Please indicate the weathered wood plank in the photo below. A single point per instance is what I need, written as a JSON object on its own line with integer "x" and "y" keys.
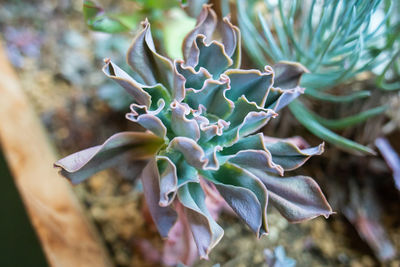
{"x": 66, "y": 235}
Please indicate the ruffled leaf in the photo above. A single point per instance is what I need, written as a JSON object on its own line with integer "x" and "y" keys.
{"x": 212, "y": 97}
{"x": 253, "y": 84}
{"x": 193, "y": 79}
{"x": 206, "y": 232}
{"x": 205, "y": 25}
{"x": 178, "y": 93}
{"x": 297, "y": 198}
{"x": 194, "y": 153}
{"x": 210, "y": 56}
{"x": 134, "y": 88}
{"x": 232, "y": 41}
{"x": 158, "y": 93}
{"x": 186, "y": 173}
{"x": 79, "y": 166}
{"x": 168, "y": 180}
{"x": 256, "y": 159}
{"x": 243, "y": 108}
{"x": 289, "y": 156}
{"x": 163, "y": 217}
{"x": 148, "y": 119}
{"x": 280, "y": 98}
{"x": 215, "y": 56}
{"x": 151, "y": 66}
{"x": 210, "y": 130}
{"x": 288, "y": 74}
{"x": 181, "y": 125}
{"x": 246, "y": 118}
{"x": 244, "y": 193}
{"x": 250, "y": 152}
{"x": 142, "y": 94}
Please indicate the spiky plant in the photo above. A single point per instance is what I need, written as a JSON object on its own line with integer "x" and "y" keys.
{"x": 389, "y": 78}
{"x": 333, "y": 39}
{"x": 200, "y": 117}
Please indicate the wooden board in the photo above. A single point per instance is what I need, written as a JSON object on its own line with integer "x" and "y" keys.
{"x": 67, "y": 237}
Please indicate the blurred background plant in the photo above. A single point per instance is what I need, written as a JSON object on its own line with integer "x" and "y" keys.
{"x": 389, "y": 77}
{"x": 337, "y": 41}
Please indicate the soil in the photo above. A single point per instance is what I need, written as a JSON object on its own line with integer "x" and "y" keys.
{"x": 63, "y": 81}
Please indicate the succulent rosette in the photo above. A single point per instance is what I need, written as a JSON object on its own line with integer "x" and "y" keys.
{"x": 200, "y": 119}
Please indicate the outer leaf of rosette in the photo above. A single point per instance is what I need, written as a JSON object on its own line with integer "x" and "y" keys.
{"x": 289, "y": 156}
{"x": 206, "y": 232}
{"x": 297, "y": 198}
{"x": 250, "y": 152}
{"x": 168, "y": 180}
{"x": 81, "y": 165}
{"x": 244, "y": 193}
{"x": 163, "y": 217}
{"x": 151, "y": 66}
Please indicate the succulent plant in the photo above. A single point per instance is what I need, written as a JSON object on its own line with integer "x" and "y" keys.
{"x": 333, "y": 39}
{"x": 332, "y": 49}
{"x": 200, "y": 118}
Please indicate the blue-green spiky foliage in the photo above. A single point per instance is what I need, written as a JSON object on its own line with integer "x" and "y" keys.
{"x": 332, "y": 38}
{"x": 389, "y": 79}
